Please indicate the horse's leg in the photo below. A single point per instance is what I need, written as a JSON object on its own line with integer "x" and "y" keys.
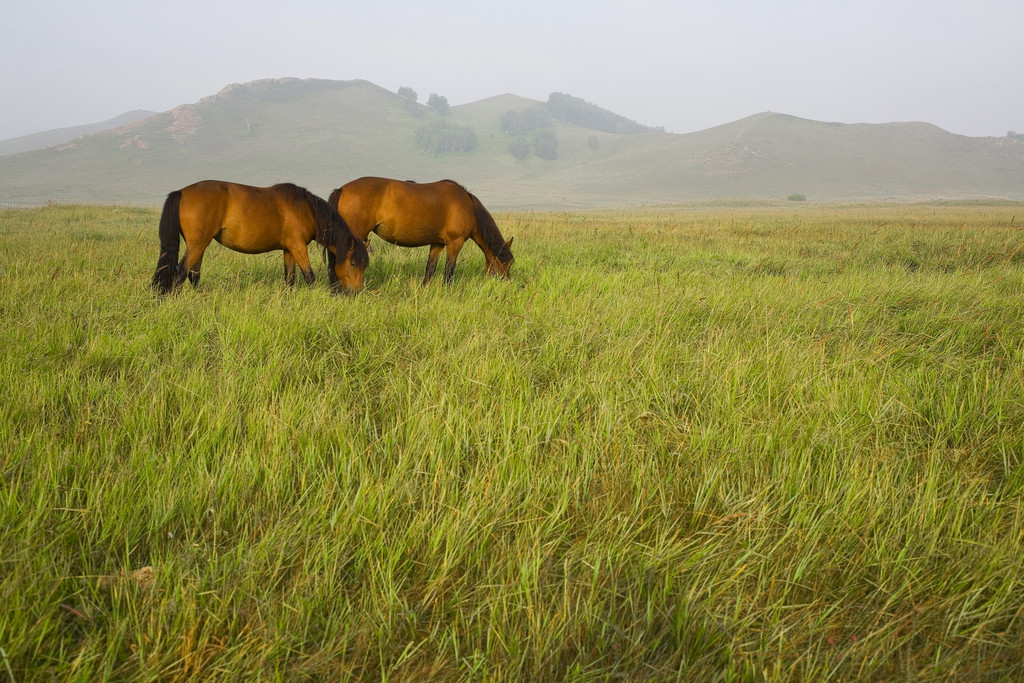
{"x": 180, "y": 273}
{"x": 194, "y": 270}
{"x": 192, "y": 263}
{"x": 301, "y": 257}
{"x": 289, "y": 268}
{"x": 188, "y": 268}
{"x": 435, "y": 253}
{"x": 454, "y": 247}
{"x": 332, "y": 277}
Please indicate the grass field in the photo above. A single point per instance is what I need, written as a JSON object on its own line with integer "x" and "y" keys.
{"x": 709, "y": 443}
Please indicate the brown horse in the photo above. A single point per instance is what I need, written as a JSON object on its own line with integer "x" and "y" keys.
{"x": 255, "y": 220}
{"x": 442, "y": 214}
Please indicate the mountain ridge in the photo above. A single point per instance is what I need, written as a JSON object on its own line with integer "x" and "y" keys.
{"x": 322, "y": 133}
{"x": 56, "y": 136}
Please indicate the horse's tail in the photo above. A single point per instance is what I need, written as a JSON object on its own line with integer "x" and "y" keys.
{"x": 488, "y": 229}
{"x": 170, "y": 239}
{"x": 335, "y": 198}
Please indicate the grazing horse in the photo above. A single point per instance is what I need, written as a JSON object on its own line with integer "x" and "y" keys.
{"x": 255, "y": 220}
{"x": 442, "y": 214}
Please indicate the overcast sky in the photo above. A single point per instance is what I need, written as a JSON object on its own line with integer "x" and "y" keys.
{"x": 682, "y": 65}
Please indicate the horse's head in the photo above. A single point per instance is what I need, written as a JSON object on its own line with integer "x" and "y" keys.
{"x": 348, "y": 260}
{"x": 500, "y": 264}
{"x": 347, "y": 256}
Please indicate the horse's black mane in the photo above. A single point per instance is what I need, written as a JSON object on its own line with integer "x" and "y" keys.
{"x": 330, "y": 226}
{"x": 325, "y": 222}
{"x": 455, "y": 183}
{"x": 486, "y": 225}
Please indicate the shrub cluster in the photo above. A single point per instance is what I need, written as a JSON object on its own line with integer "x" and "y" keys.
{"x": 545, "y": 145}
{"x": 579, "y": 112}
{"x": 439, "y": 103}
{"x": 520, "y": 123}
{"x": 520, "y": 147}
{"x": 442, "y": 136}
{"x": 410, "y": 96}
{"x": 408, "y": 93}
{"x": 531, "y": 129}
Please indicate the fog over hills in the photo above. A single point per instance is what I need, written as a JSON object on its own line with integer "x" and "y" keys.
{"x": 25, "y": 143}
{"x": 321, "y": 133}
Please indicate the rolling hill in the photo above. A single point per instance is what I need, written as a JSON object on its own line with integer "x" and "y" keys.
{"x": 58, "y": 136}
{"x": 321, "y": 133}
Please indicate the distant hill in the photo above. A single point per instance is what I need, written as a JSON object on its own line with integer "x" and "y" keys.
{"x": 58, "y": 136}
{"x": 577, "y": 111}
{"x": 321, "y": 134}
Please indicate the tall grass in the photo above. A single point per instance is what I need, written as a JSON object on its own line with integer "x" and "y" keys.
{"x": 736, "y": 444}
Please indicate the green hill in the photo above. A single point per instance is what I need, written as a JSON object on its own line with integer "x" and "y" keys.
{"x": 321, "y": 134}
{"x": 58, "y": 136}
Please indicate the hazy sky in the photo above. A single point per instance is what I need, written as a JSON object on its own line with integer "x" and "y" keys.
{"x": 682, "y": 65}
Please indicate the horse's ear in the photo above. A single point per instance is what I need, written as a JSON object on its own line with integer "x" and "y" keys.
{"x": 509, "y": 243}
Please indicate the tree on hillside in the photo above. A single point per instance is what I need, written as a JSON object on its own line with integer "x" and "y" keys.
{"x": 545, "y": 145}
{"x": 408, "y": 93}
{"x": 518, "y": 123}
{"x": 410, "y": 96}
{"x": 439, "y": 103}
{"x": 1014, "y": 136}
{"x": 519, "y": 147}
{"x": 510, "y": 123}
{"x": 582, "y": 113}
{"x": 442, "y": 136}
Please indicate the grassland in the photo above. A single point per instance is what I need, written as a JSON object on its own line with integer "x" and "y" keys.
{"x": 732, "y": 443}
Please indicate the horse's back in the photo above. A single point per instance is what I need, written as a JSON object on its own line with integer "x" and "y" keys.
{"x": 245, "y": 218}
{"x": 404, "y": 212}
{"x": 360, "y": 199}
{"x": 377, "y": 194}
{"x": 213, "y": 193}
{"x": 204, "y": 204}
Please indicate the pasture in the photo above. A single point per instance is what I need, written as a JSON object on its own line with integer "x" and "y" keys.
{"x": 701, "y": 443}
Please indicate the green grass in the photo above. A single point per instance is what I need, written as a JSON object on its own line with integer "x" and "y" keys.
{"x": 706, "y": 443}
